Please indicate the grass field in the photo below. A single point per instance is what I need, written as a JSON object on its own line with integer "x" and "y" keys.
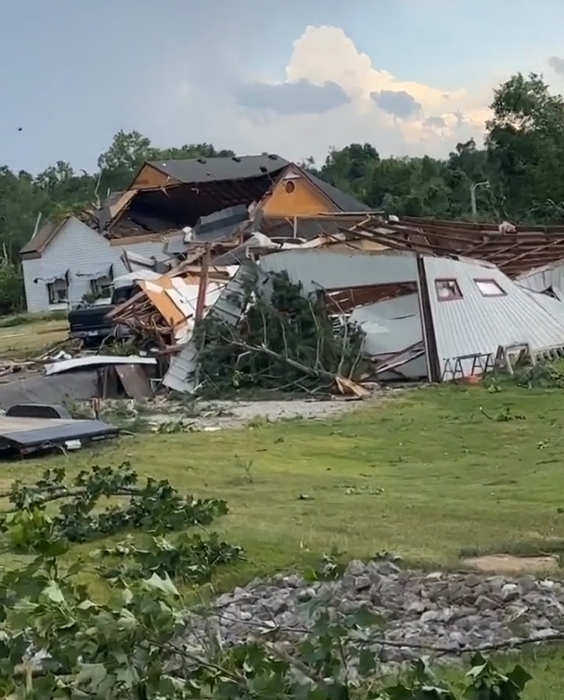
{"x": 27, "y": 340}
{"x": 428, "y": 476}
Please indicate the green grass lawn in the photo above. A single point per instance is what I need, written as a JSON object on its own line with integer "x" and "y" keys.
{"x": 24, "y": 341}
{"x": 426, "y": 476}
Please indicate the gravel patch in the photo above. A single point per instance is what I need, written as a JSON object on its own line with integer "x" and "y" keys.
{"x": 450, "y": 613}
{"x": 221, "y": 415}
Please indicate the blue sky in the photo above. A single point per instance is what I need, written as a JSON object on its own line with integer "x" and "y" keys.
{"x": 410, "y": 76}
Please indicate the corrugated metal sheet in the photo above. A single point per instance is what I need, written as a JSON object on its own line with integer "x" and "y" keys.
{"x": 321, "y": 268}
{"x": 554, "y": 306}
{"x": 477, "y": 324}
{"x": 544, "y": 277}
{"x": 229, "y": 306}
{"x": 181, "y": 374}
{"x": 390, "y": 327}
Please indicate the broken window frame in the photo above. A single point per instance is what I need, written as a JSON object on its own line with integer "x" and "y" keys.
{"x": 499, "y": 291}
{"x": 54, "y": 290}
{"x": 456, "y": 296}
{"x": 101, "y": 287}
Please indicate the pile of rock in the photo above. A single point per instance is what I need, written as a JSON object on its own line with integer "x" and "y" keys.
{"x": 442, "y": 611}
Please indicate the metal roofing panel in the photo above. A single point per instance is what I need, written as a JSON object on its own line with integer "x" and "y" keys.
{"x": 221, "y": 224}
{"x": 554, "y": 306}
{"x": 181, "y": 374}
{"x": 544, "y": 277}
{"x": 229, "y": 306}
{"x": 477, "y": 324}
{"x": 391, "y": 325}
{"x": 90, "y": 361}
{"x": 323, "y": 268}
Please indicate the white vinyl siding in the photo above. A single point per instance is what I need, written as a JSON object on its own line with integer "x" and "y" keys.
{"x": 80, "y": 255}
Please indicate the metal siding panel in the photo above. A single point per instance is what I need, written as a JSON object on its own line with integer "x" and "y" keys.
{"x": 540, "y": 279}
{"x": 79, "y": 249}
{"x": 182, "y": 370}
{"x": 477, "y": 324}
{"x": 333, "y": 270}
{"x": 229, "y": 305}
{"x": 391, "y": 325}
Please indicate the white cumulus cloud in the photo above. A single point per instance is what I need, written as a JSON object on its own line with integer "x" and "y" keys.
{"x": 331, "y": 95}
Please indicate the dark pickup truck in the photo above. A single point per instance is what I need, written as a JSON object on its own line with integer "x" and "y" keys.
{"x": 90, "y": 323}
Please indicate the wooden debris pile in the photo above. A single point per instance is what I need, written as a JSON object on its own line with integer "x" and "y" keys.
{"x": 164, "y": 310}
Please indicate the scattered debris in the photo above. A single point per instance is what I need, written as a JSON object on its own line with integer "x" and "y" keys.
{"x": 249, "y": 294}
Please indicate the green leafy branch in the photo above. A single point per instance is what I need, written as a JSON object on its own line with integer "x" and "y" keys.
{"x": 189, "y": 558}
{"x": 154, "y": 507}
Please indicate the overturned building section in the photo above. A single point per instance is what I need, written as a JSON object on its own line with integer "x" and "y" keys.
{"x": 407, "y": 317}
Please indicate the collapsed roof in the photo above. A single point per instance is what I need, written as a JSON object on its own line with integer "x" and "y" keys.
{"x": 515, "y": 252}
{"x": 183, "y": 191}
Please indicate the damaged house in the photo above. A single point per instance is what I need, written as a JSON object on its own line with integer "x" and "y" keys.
{"x": 387, "y": 300}
{"x": 64, "y": 263}
{"x": 213, "y": 198}
{"x": 67, "y": 261}
{"x": 173, "y": 195}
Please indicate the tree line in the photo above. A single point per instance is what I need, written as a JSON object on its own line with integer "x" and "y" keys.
{"x": 518, "y": 175}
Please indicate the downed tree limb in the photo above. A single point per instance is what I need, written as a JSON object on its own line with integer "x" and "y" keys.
{"x": 344, "y": 385}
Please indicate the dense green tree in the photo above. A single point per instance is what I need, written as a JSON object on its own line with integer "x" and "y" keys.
{"x": 525, "y": 145}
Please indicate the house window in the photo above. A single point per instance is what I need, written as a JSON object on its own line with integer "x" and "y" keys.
{"x": 290, "y": 187}
{"x": 58, "y": 292}
{"x": 489, "y": 288}
{"x": 447, "y": 290}
{"x": 101, "y": 288}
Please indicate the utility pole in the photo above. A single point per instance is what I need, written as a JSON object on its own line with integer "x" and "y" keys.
{"x": 473, "y": 188}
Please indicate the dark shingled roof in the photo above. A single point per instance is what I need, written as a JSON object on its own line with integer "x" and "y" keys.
{"x": 344, "y": 201}
{"x": 195, "y": 170}
{"x": 42, "y": 237}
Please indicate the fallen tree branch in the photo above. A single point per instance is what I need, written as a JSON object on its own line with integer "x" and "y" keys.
{"x": 70, "y": 493}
